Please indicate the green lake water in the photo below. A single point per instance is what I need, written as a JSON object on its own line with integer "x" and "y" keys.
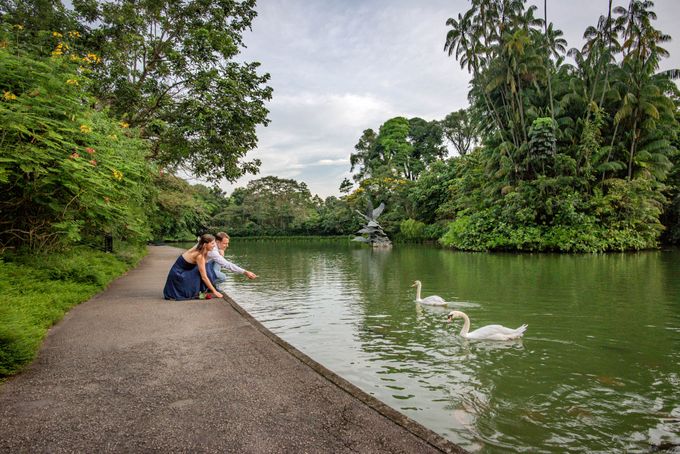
{"x": 598, "y": 369}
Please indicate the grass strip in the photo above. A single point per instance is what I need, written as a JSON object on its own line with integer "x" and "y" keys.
{"x": 37, "y": 290}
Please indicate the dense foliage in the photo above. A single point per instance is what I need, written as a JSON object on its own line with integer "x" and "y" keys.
{"x": 573, "y": 157}
{"x": 170, "y": 70}
{"x": 103, "y": 101}
{"x": 276, "y": 206}
{"x": 68, "y": 172}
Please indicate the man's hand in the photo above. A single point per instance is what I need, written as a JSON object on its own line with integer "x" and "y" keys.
{"x": 250, "y": 275}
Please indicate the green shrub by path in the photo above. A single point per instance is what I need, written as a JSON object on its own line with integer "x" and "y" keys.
{"x": 37, "y": 290}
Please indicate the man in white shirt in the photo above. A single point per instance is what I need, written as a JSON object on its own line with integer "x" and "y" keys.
{"x": 218, "y": 262}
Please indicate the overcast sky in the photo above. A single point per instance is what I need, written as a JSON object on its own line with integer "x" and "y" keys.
{"x": 339, "y": 67}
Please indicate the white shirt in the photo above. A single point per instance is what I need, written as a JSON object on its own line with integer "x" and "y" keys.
{"x": 215, "y": 256}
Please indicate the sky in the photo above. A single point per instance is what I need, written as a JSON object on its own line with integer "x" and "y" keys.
{"x": 339, "y": 67}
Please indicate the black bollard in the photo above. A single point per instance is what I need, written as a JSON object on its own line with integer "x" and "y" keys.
{"x": 108, "y": 242}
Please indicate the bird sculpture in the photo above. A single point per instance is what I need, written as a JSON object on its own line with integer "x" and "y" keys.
{"x": 489, "y": 332}
{"x": 376, "y": 237}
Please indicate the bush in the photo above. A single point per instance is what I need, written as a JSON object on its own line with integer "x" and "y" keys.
{"x": 479, "y": 232}
{"x": 412, "y": 229}
{"x": 78, "y": 172}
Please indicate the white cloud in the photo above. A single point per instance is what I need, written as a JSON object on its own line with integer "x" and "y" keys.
{"x": 332, "y": 162}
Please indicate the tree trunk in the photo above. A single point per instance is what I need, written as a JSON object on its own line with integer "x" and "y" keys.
{"x": 632, "y": 151}
{"x": 611, "y": 147}
{"x": 545, "y": 29}
{"x": 520, "y": 102}
{"x": 609, "y": 53}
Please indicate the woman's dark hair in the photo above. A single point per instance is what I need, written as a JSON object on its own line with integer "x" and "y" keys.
{"x": 203, "y": 240}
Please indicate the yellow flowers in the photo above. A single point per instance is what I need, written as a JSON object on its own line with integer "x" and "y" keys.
{"x": 117, "y": 175}
{"x": 72, "y": 82}
{"x": 60, "y": 49}
{"x": 19, "y": 27}
{"x": 85, "y": 129}
{"x": 74, "y": 34}
{"x": 9, "y": 96}
{"x": 388, "y": 180}
{"x": 92, "y": 58}
{"x": 57, "y": 34}
{"x": 124, "y": 125}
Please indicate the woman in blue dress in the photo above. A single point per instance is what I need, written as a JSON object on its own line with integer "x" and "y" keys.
{"x": 189, "y": 276}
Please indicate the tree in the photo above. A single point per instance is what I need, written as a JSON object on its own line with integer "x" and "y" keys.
{"x": 345, "y": 186}
{"x": 336, "y": 217}
{"x": 365, "y": 155}
{"x": 427, "y": 142}
{"x": 273, "y": 206}
{"x": 169, "y": 69}
{"x": 39, "y": 15}
{"x": 394, "y": 150}
{"x": 431, "y": 191}
{"x": 643, "y": 92}
{"x": 547, "y": 127}
{"x": 460, "y": 130}
{"x": 180, "y": 211}
{"x": 401, "y": 149}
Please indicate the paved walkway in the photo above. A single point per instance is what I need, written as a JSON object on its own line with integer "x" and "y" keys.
{"x": 130, "y": 372}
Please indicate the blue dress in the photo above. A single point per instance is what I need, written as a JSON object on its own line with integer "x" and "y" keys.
{"x": 184, "y": 281}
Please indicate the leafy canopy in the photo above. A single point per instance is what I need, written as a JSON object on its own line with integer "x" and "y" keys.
{"x": 170, "y": 69}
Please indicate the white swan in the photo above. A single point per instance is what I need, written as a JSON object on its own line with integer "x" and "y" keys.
{"x": 433, "y": 300}
{"x": 489, "y": 332}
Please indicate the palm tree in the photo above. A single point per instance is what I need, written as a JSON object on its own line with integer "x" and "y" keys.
{"x": 555, "y": 47}
{"x": 641, "y": 39}
{"x": 643, "y": 91}
{"x": 644, "y": 104}
{"x": 463, "y": 41}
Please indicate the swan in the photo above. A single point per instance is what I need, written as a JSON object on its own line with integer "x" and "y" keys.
{"x": 489, "y": 332}
{"x": 432, "y": 300}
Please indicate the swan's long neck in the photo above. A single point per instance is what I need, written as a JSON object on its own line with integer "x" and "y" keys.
{"x": 418, "y": 291}
{"x": 466, "y": 325}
